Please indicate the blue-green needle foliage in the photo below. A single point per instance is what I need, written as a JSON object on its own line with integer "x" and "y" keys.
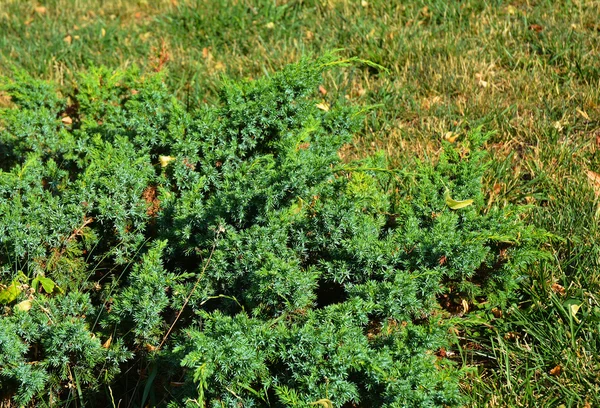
{"x": 230, "y": 249}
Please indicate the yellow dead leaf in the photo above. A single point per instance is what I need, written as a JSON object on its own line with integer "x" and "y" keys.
{"x": 450, "y": 137}
{"x": 103, "y": 32}
{"x": 23, "y": 306}
{"x": 270, "y": 25}
{"x": 465, "y": 306}
{"x": 106, "y": 344}
{"x": 324, "y": 106}
{"x": 309, "y": 35}
{"x": 165, "y": 160}
{"x": 41, "y": 10}
{"x": 67, "y": 120}
{"x": 68, "y": 39}
{"x": 573, "y": 309}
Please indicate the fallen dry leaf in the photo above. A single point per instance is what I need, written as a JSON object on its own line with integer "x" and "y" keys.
{"x": 556, "y": 371}
{"x": 67, "y": 120}
{"x": 41, "y": 10}
{"x": 559, "y": 289}
{"x": 165, "y": 160}
{"x": 68, "y": 39}
{"x": 24, "y": 306}
{"x": 574, "y": 309}
{"x": 497, "y": 313}
{"x": 536, "y": 27}
{"x": 322, "y": 90}
{"x": 323, "y": 106}
{"x": 443, "y": 353}
{"x": 480, "y": 81}
{"x": 450, "y": 137}
{"x": 106, "y": 344}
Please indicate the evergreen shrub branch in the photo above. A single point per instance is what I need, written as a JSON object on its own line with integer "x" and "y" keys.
{"x": 329, "y": 283}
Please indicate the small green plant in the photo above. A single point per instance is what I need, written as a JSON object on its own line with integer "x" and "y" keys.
{"x": 231, "y": 250}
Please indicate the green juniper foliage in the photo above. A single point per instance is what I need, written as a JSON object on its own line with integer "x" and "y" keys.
{"x": 231, "y": 250}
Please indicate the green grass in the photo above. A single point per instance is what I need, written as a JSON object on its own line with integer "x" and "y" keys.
{"x": 528, "y": 70}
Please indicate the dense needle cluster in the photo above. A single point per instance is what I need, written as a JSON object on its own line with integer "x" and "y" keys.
{"x": 226, "y": 256}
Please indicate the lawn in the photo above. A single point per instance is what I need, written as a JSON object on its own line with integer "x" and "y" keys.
{"x": 526, "y": 71}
